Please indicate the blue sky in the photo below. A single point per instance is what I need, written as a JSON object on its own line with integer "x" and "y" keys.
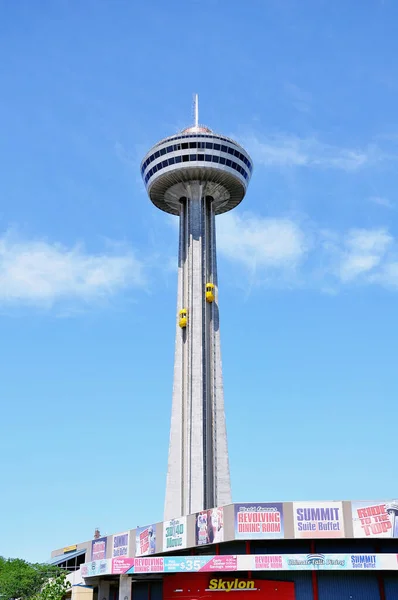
{"x": 308, "y": 264}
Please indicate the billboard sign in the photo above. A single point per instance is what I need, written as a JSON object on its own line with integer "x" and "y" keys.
{"x": 243, "y": 562}
{"x": 96, "y": 567}
{"x": 378, "y": 519}
{"x": 121, "y": 565}
{"x": 175, "y": 534}
{"x": 318, "y": 519}
{"x": 120, "y": 545}
{"x": 98, "y": 549}
{"x": 145, "y": 540}
{"x": 209, "y": 526}
{"x": 259, "y": 521}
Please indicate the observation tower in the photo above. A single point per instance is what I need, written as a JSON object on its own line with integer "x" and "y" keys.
{"x": 196, "y": 175}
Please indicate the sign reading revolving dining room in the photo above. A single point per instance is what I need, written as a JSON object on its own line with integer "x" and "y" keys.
{"x": 259, "y": 521}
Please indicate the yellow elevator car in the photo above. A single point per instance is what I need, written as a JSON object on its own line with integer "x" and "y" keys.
{"x": 183, "y": 318}
{"x": 210, "y": 292}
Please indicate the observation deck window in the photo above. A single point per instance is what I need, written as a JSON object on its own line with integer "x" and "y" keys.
{"x": 208, "y": 157}
{"x": 201, "y": 156}
{"x": 195, "y": 145}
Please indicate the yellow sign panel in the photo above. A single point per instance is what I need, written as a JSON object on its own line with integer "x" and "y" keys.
{"x": 231, "y": 586}
{"x": 70, "y": 548}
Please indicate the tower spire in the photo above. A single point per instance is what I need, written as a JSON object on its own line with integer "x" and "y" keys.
{"x": 196, "y": 109}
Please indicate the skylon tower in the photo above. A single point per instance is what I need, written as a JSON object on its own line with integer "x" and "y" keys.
{"x": 196, "y": 175}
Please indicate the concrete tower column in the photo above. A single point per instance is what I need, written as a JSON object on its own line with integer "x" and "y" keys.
{"x": 198, "y": 468}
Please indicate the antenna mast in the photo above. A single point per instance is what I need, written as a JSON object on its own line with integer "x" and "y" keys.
{"x": 196, "y": 109}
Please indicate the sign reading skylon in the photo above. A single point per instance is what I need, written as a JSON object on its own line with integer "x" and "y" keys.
{"x": 222, "y": 585}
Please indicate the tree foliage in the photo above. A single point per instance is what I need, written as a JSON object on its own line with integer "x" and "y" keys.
{"x": 22, "y": 580}
{"x": 54, "y": 589}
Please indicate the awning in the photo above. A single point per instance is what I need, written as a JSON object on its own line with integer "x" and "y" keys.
{"x": 57, "y": 560}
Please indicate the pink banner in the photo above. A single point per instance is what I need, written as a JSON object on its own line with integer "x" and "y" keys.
{"x": 221, "y": 563}
{"x": 121, "y": 565}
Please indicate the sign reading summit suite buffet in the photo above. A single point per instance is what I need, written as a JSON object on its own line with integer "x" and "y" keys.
{"x": 318, "y": 519}
{"x": 259, "y": 521}
{"x": 120, "y": 544}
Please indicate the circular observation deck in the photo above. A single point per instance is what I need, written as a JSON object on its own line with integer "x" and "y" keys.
{"x": 196, "y": 154}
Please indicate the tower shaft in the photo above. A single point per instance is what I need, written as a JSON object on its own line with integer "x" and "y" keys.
{"x": 198, "y": 469}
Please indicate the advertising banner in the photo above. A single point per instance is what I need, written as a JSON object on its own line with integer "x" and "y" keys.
{"x": 209, "y": 526}
{"x": 259, "y": 521}
{"x": 378, "y": 519}
{"x": 244, "y": 562}
{"x": 121, "y": 565}
{"x": 98, "y": 549}
{"x": 120, "y": 545}
{"x": 318, "y": 519}
{"x": 184, "y": 564}
{"x": 148, "y": 565}
{"x": 145, "y": 540}
{"x": 175, "y": 534}
{"x": 96, "y": 567}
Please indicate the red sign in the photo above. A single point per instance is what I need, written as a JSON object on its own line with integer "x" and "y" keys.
{"x": 189, "y": 586}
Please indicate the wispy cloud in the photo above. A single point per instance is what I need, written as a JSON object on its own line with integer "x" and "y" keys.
{"x": 306, "y": 255}
{"x": 41, "y": 273}
{"x": 362, "y": 251}
{"x": 287, "y": 150}
{"x": 265, "y": 242}
{"x": 300, "y": 98}
{"x": 380, "y": 201}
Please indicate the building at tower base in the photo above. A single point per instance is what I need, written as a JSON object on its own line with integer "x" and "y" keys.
{"x": 266, "y": 550}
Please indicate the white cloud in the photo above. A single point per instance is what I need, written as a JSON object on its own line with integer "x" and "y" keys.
{"x": 286, "y": 150}
{"x": 364, "y": 249}
{"x": 292, "y": 253}
{"x": 387, "y": 275}
{"x": 260, "y": 242}
{"x": 380, "y": 201}
{"x": 40, "y": 273}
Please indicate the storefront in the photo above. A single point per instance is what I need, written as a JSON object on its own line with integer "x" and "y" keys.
{"x": 205, "y": 586}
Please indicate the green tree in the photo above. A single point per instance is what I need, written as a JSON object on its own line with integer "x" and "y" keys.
{"x": 20, "y": 579}
{"x": 54, "y": 589}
